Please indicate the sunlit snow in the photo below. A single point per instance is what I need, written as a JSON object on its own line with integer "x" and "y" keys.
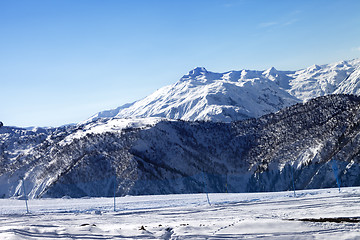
{"x": 312, "y": 214}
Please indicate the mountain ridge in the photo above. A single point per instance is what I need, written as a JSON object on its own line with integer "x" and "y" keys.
{"x": 237, "y": 95}
{"x": 162, "y": 156}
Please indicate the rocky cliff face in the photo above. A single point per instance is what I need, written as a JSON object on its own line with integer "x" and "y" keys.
{"x": 157, "y": 156}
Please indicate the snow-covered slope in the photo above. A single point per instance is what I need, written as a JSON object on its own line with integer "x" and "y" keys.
{"x": 238, "y": 95}
{"x": 204, "y": 95}
{"x": 322, "y": 80}
{"x": 157, "y": 156}
{"x": 351, "y": 85}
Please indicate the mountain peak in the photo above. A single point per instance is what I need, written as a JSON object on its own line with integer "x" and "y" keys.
{"x": 197, "y": 71}
{"x": 271, "y": 71}
{"x": 313, "y": 68}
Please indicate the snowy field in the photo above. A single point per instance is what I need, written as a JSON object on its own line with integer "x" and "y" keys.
{"x": 312, "y": 214}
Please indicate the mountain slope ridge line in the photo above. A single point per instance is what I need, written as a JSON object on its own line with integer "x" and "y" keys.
{"x": 161, "y": 156}
{"x": 238, "y": 95}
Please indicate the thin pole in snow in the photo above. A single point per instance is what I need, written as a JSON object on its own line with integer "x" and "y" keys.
{"x": 293, "y": 182}
{"x": 114, "y": 193}
{"x": 336, "y": 169}
{"x": 226, "y": 183}
{"x": 205, "y": 190}
{"x": 27, "y": 208}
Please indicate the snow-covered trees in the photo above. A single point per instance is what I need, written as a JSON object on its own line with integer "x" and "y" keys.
{"x": 173, "y": 156}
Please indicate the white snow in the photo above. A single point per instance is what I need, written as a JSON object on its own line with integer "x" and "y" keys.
{"x": 238, "y": 95}
{"x": 322, "y": 80}
{"x": 110, "y": 125}
{"x": 231, "y": 216}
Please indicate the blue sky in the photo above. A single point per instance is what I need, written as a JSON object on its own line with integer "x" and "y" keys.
{"x": 61, "y": 61}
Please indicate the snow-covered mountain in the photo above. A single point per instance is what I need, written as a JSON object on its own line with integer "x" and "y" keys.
{"x": 147, "y": 147}
{"x": 326, "y": 79}
{"x": 238, "y": 95}
{"x": 158, "y": 156}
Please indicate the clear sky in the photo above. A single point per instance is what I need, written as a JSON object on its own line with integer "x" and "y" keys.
{"x": 62, "y": 61}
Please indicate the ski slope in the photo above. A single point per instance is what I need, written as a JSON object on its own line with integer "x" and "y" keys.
{"x": 277, "y": 215}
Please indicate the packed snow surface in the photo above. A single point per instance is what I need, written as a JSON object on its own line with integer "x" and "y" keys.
{"x": 311, "y": 214}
